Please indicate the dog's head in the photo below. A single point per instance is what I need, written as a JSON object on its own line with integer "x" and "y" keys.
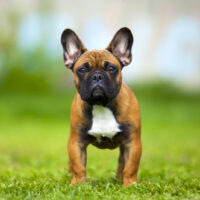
{"x": 97, "y": 73}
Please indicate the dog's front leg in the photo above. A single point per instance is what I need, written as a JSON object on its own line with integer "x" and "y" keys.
{"x": 132, "y": 151}
{"x": 77, "y": 159}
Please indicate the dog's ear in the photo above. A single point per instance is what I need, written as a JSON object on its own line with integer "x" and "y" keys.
{"x": 72, "y": 46}
{"x": 120, "y": 46}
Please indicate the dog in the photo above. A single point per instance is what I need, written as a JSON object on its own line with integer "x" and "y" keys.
{"x": 104, "y": 112}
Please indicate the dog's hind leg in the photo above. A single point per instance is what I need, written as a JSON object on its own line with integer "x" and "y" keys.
{"x": 70, "y": 169}
{"x": 121, "y": 163}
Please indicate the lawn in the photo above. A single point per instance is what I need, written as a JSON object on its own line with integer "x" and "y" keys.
{"x": 33, "y": 153}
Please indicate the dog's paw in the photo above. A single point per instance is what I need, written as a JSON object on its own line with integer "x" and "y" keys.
{"x": 76, "y": 180}
{"x": 129, "y": 181}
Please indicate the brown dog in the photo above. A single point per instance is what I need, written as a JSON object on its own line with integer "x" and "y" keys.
{"x": 104, "y": 111}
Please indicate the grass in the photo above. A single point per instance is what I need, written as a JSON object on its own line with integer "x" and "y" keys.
{"x": 33, "y": 153}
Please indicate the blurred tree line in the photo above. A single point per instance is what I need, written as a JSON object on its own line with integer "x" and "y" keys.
{"x": 28, "y": 70}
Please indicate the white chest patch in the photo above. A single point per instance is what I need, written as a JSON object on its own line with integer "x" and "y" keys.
{"x": 103, "y": 123}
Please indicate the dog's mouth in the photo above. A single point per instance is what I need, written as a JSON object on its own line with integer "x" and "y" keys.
{"x": 98, "y": 96}
{"x": 98, "y": 92}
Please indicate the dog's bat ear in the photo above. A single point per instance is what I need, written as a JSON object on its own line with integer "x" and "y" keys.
{"x": 120, "y": 46}
{"x": 72, "y": 46}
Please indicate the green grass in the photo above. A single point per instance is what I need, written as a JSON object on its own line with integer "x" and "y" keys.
{"x": 33, "y": 153}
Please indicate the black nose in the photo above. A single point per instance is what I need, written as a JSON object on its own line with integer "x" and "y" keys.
{"x": 97, "y": 76}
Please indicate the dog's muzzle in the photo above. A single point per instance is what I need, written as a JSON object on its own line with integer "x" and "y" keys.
{"x": 98, "y": 95}
{"x": 98, "y": 84}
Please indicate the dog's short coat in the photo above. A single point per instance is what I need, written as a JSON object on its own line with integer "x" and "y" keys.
{"x": 104, "y": 111}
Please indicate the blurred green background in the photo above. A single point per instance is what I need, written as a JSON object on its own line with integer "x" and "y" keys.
{"x": 36, "y": 92}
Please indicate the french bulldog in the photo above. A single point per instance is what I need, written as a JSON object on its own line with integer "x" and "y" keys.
{"x": 104, "y": 112}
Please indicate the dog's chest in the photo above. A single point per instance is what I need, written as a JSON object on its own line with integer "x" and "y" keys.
{"x": 104, "y": 123}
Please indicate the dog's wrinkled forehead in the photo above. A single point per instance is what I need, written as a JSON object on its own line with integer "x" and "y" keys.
{"x": 96, "y": 59}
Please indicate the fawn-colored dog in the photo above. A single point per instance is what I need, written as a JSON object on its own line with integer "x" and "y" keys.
{"x": 104, "y": 111}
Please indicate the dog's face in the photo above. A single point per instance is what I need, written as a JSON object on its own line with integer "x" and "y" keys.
{"x": 97, "y": 73}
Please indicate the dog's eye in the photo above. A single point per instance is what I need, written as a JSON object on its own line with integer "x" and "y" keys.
{"x": 82, "y": 70}
{"x": 111, "y": 68}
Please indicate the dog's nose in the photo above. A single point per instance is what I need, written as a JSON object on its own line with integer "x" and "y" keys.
{"x": 97, "y": 76}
